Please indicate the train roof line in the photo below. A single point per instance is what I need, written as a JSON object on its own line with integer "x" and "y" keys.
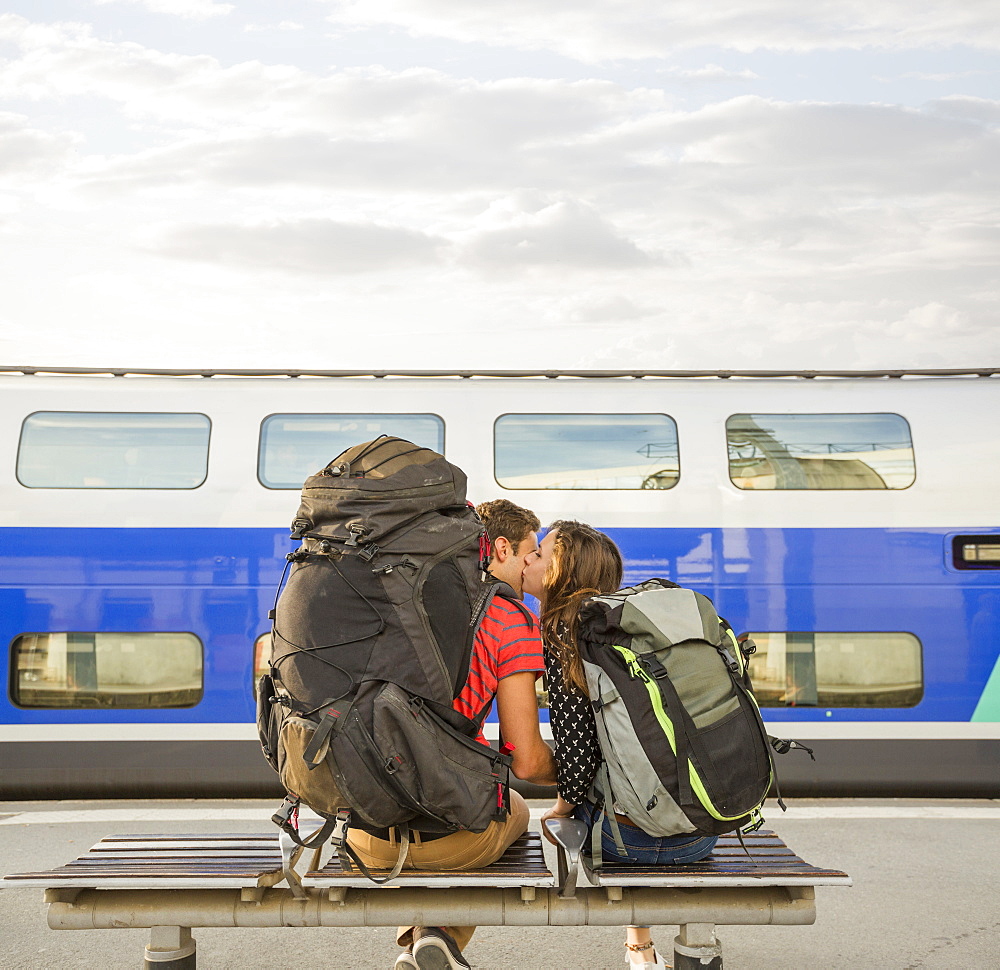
{"x": 591, "y": 374}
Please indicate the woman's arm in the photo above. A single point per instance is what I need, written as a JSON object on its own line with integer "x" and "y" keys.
{"x": 561, "y": 809}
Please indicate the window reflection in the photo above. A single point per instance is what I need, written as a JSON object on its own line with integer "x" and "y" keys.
{"x": 79, "y": 449}
{"x": 261, "y": 658}
{"x": 106, "y": 670}
{"x": 586, "y": 451}
{"x": 976, "y": 552}
{"x": 820, "y": 451}
{"x": 837, "y": 669}
{"x": 295, "y": 446}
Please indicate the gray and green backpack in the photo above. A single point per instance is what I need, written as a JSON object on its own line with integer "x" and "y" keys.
{"x": 684, "y": 746}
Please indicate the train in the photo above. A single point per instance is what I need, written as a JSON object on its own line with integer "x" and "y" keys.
{"x": 848, "y": 522}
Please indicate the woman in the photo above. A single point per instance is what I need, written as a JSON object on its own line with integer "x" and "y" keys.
{"x": 573, "y": 562}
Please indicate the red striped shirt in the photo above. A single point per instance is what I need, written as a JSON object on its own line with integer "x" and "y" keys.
{"x": 505, "y": 644}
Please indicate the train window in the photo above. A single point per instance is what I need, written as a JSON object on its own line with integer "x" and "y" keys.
{"x": 261, "y": 655}
{"x": 586, "y": 451}
{"x": 106, "y": 670}
{"x": 104, "y": 449}
{"x": 837, "y": 669}
{"x": 820, "y": 451}
{"x": 295, "y": 446}
{"x": 976, "y": 552}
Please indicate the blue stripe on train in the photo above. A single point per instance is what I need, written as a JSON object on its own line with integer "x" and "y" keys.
{"x": 219, "y": 584}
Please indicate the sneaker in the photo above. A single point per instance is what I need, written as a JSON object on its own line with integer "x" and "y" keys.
{"x": 405, "y": 960}
{"x": 433, "y": 949}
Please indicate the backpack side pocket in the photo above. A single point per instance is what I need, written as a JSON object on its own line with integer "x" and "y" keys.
{"x": 453, "y": 778}
{"x": 267, "y": 717}
{"x": 317, "y": 787}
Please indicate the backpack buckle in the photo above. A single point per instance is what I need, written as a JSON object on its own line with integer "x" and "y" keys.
{"x": 355, "y": 533}
{"x": 288, "y": 811}
{"x": 651, "y": 665}
{"x": 341, "y": 824}
{"x": 368, "y": 553}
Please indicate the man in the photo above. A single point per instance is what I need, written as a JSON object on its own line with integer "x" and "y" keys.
{"x": 506, "y": 660}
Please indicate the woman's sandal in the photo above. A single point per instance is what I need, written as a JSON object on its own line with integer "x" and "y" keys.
{"x": 657, "y": 961}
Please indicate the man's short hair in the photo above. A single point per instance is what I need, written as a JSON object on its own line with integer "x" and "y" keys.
{"x": 503, "y": 518}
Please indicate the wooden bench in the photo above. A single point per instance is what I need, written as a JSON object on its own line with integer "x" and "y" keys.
{"x": 173, "y": 883}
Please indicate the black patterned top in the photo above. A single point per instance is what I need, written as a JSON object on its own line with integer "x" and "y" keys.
{"x": 574, "y": 731}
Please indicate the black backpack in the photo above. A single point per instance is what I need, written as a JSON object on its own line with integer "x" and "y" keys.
{"x": 371, "y": 642}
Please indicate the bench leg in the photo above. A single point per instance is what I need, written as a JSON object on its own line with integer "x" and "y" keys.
{"x": 171, "y": 948}
{"x": 697, "y": 948}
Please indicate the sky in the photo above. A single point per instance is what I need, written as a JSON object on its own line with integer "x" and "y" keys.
{"x": 570, "y": 184}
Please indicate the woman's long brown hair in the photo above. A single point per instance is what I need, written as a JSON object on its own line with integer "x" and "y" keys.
{"x": 584, "y": 563}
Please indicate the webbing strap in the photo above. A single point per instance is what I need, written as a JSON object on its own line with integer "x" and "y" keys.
{"x": 597, "y": 827}
{"x": 676, "y": 711}
{"x": 290, "y": 810}
{"x": 347, "y": 855}
{"x": 739, "y": 835}
{"x": 319, "y": 744}
{"x": 596, "y": 844}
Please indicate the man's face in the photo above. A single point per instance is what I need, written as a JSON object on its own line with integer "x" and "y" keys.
{"x": 525, "y": 548}
{"x": 536, "y": 563}
{"x": 508, "y": 562}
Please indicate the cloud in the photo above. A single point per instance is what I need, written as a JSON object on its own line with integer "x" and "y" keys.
{"x": 595, "y": 30}
{"x": 710, "y": 73}
{"x": 196, "y": 91}
{"x": 188, "y": 9}
{"x": 270, "y": 28}
{"x": 28, "y": 152}
{"x": 315, "y": 246}
{"x": 609, "y": 309}
{"x": 66, "y": 60}
{"x": 565, "y": 234}
{"x": 939, "y": 77}
{"x": 745, "y": 231}
{"x": 966, "y": 108}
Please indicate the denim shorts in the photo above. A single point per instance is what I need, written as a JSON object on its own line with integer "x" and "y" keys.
{"x": 643, "y": 849}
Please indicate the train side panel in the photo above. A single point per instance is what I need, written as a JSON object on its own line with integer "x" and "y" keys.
{"x": 796, "y": 565}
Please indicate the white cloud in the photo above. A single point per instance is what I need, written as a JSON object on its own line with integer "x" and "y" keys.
{"x": 316, "y": 246}
{"x": 270, "y": 28}
{"x": 192, "y": 91}
{"x": 597, "y": 30}
{"x": 30, "y": 153}
{"x": 188, "y": 9}
{"x": 413, "y": 204}
{"x": 565, "y": 234}
{"x": 709, "y": 73}
{"x": 607, "y": 309}
{"x": 972, "y": 109}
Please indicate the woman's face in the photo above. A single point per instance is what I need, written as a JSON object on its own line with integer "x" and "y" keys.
{"x": 535, "y": 566}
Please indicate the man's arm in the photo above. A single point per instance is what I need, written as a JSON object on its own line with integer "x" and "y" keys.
{"x": 517, "y": 709}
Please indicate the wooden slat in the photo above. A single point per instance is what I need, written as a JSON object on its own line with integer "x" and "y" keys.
{"x": 523, "y": 864}
{"x": 769, "y": 862}
{"x": 268, "y": 837}
{"x": 161, "y": 861}
{"x": 248, "y": 860}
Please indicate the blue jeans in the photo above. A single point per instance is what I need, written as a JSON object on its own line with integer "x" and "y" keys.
{"x": 643, "y": 849}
